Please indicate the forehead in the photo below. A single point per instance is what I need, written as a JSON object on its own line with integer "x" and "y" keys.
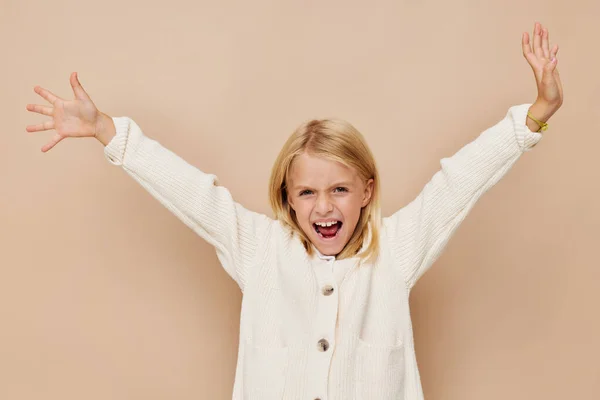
{"x": 312, "y": 170}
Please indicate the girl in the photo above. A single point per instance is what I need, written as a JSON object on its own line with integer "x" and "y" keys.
{"x": 325, "y": 311}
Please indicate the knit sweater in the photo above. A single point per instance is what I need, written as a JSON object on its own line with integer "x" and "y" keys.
{"x": 313, "y": 327}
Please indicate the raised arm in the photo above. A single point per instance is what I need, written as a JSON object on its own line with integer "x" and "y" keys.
{"x": 192, "y": 195}
{"x": 420, "y": 231}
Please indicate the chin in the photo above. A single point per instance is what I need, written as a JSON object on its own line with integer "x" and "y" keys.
{"x": 329, "y": 252}
{"x": 326, "y": 249}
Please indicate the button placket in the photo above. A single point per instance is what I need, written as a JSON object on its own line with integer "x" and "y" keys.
{"x": 324, "y": 328}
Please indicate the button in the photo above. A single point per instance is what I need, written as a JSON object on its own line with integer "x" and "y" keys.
{"x": 327, "y": 290}
{"x": 323, "y": 345}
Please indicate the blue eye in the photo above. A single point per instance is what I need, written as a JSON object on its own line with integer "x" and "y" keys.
{"x": 342, "y": 189}
{"x": 305, "y": 192}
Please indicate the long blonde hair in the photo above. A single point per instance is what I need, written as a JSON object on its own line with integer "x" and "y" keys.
{"x": 336, "y": 140}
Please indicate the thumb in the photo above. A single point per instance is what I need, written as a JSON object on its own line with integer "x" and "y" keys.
{"x": 551, "y": 66}
{"x": 549, "y": 70}
{"x": 77, "y": 88}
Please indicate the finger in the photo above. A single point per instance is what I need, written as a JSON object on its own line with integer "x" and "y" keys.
{"x": 537, "y": 39}
{"x": 55, "y": 139}
{"x": 553, "y": 52}
{"x": 46, "y": 94}
{"x": 40, "y": 127}
{"x": 40, "y": 109}
{"x": 77, "y": 88}
{"x": 545, "y": 41}
{"x": 527, "y": 53}
{"x": 525, "y": 44}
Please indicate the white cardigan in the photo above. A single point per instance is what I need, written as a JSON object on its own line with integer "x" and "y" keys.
{"x": 315, "y": 327}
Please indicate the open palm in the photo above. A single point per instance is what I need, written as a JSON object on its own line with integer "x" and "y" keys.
{"x": 70, "y": 118}
{"x": 542, "y": 60}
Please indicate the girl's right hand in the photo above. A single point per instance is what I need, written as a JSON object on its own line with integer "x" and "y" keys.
{"x": 70, "y": 118}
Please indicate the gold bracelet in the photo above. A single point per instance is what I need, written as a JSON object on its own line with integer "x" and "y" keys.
{"x": 542, "y": 125}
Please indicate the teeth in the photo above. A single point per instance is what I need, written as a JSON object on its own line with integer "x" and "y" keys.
{"x": 326, "y": 223}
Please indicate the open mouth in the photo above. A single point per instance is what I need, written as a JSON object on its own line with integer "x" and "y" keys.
{"x": 328, "y": 231}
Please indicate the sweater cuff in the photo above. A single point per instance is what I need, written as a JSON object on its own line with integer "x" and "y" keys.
{"x": 525, "y": 137}
{"x": 115, "y": 149}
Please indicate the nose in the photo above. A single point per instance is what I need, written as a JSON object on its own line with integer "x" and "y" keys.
{"x": 324, "y": 205}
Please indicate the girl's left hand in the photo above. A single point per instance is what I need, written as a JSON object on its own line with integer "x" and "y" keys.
{"x": 543, "y": 62}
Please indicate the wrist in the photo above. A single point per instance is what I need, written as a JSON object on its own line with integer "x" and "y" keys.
{"x": 542, "y": 110}
{"x": 105, "y": 129}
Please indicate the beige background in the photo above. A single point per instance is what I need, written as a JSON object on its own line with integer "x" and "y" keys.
{"x": 105, "y": 295}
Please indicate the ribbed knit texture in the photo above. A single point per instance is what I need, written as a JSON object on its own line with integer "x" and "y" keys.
{"x": 369, "y": 353}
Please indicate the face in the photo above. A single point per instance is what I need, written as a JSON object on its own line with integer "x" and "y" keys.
{"x": 327, "y": 197}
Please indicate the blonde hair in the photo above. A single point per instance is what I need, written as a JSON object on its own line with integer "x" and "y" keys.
{"x": 336, "y": 140}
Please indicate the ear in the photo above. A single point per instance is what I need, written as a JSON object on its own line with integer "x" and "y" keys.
{"x": 289, "y": 199}
{"x": 368, "y": 192}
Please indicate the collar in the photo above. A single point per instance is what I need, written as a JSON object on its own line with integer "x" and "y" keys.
{"x": 321, "y": 256}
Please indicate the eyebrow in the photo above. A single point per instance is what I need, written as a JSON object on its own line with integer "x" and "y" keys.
{"x": 337, "y": 184}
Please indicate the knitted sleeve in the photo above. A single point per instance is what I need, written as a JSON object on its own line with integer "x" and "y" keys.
{"x": 419, "y": 232}
{"x": 191, "y": 195}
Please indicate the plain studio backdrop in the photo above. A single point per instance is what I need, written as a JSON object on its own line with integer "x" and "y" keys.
{"x": 106, "y": 295}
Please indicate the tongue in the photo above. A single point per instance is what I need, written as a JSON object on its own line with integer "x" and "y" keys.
{"x": 328, "y": 231}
